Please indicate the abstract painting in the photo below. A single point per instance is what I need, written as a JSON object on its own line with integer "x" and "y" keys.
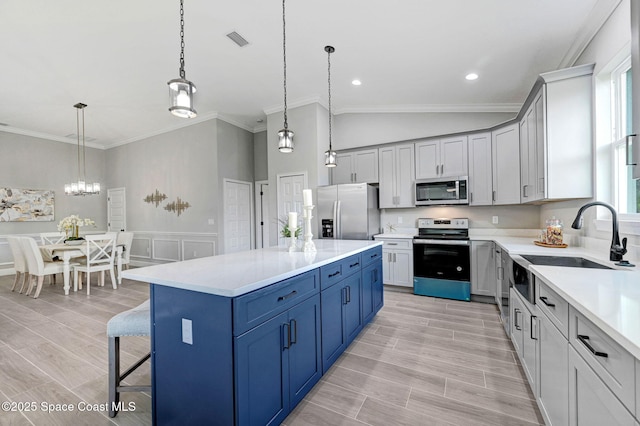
{"x": 26, "y": 205}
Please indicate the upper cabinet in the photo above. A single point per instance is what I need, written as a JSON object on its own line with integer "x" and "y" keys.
{"x": 556, "y": 137}
{"x": 397, "y": 176}
{"x": 635, "y": 87}
{"x": 438, "y": 158}
{"x": 356, "y": 167}
{"x": 505, "y": 151}
{"x": 480, "y": 173}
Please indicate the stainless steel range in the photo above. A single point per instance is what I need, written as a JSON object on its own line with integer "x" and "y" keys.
{"x": 442, "y": 259}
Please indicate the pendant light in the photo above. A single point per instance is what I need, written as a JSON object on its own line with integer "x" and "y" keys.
{"x": 181, "y": 90}
{"x": 81, "y": 187}
{"x": 330, "y": 155}
{"x": 285, "y": 136}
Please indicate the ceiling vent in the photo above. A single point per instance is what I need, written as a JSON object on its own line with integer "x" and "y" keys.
{"x": 237, "y": 39}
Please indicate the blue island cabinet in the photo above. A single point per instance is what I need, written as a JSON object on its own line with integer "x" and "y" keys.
{"x": 250, "y": 359}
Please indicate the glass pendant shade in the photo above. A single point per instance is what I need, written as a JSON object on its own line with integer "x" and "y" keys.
{"x": 285, "y": 141}
{"x": 330, "y": 159}
{"x": 81, "y": 187}
{"x": 181, "y": 93}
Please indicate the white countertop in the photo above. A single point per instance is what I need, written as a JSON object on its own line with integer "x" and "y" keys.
{"x": 608, "y": 298}
{"x": 235, "y": 274}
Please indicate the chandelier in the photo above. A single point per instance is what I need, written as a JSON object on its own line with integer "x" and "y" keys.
{"x": 181, "y": 90}
{"x": 81, "y": 187}
{"x": 285, "y": 136}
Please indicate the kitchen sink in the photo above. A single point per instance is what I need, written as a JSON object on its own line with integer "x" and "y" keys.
{"x": 574, "y": 262}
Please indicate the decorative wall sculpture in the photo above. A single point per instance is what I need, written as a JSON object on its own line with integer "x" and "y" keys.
{"x": 26, "y": 205}
{"x": 155, "y": 198}
{"x": 177, "y": 206}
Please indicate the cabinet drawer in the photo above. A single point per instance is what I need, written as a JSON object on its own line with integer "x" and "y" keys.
{"x": 398, "y": 244}
{"x": 371, "y": 255}
{"x": 335, "y": 272}
{"x": 610, "y": 361}
{"x": 254, "y": 308}
{"x": 554, "y": 306}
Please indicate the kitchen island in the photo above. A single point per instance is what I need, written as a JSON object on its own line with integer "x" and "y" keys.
{"x": 241, "y": 338}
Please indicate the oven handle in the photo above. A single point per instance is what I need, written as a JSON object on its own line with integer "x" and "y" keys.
{"x": 443, "y": 242}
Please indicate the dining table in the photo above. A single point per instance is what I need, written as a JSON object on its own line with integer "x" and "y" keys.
{"x": 66, "y": 252}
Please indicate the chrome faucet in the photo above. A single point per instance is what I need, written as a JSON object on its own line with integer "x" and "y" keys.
{"x": 617, "y": 251}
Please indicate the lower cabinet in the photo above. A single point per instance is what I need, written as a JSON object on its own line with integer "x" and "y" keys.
{"x": 590, "y": 400}
{"x": 397, "y": 258}
{"x": 524, "y": 335}
{"x": 483, "y": 271}
{"x": 372, "y": 291}
{"x": 341, "y": 317}
{"x": 277, "y": 363}
{"x": 553, "y": 387}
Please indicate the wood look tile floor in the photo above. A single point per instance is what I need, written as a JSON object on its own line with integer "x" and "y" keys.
{"x": 421, "y": 361}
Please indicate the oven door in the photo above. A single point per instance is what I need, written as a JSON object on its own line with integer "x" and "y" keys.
{"x": 441, "y": 268}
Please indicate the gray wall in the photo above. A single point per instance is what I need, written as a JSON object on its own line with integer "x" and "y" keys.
{"x": 260, "y": 156}
{"x": 32, "y": 163}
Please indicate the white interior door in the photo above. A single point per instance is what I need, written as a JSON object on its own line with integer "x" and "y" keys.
{"x": 290, "y": 188}
{"x": 262, "y": 214}
{"x": 238, "y": 215}
{"x": 116, "y": 210}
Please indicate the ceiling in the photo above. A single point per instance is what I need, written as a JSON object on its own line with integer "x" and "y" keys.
{"x": 116, "y": 56}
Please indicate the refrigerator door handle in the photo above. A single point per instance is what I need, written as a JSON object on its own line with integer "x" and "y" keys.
{"x": 339, "y": 220}
{"x": 335, "y": 220}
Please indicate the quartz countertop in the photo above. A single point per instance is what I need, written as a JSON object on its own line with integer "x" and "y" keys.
{"x": 390, "y": 235}
{"x": 234, "y": 274}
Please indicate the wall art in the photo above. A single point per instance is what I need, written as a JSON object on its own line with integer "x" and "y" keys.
{"x": 26, "y": 205}
{"x": 177, "y": 206}
{"x": 155, "y": 198}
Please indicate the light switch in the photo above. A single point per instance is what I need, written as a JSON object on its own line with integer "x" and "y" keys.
{"x": 399, "y": 219}
{"x": 494, "y": 220}
{"x": 187, "y": 331}
{"x": 211, "y": 222}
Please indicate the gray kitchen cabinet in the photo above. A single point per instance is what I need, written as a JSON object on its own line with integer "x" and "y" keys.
{"x": 397, "y": 261}
{"x": 635, "y": 87}
{"x": 480, "y": 173}
{"x": 439, "y": 158}
{"x": 556, "y": 136}
{"x": 524, "y": 335}
{"x": 505, "y": 152}
{"x": 397, "y": 176}
{"x": 499, "y": 276}
{"x": 483, "y": 271}
{"x": 553, "y": 373}
{"x": 356, "y": 167}
{"x": 590, "y": 400}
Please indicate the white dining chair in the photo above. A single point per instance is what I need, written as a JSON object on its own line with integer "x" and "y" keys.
{"x": 37, "y": 266}
{"x": 125, "y": 239}
{"x": 52, "y": 237}
{"x": 100, "y": 253}
{"x": 19, "y": 263}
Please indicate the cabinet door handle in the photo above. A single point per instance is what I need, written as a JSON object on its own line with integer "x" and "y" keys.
{"x": 286, "y": 336}
{"x": 293, "y": 293}
{"x": 471, "y": 197}
{"x": 355, "y": 177}
{"x": 515, "y": 318}
{"x": 534, "y": 323}
{"x": 437, "y": 169}
{"x": 524, "y": 191}
{"x": 441, "y": 169}
{"x": 344, "y": 295}
{"x": 500, "y": 273}
{"x": 493, "y": 196}
{"x": 293, "y": 326}
{"x": 584, "y": 339}
{"x": 348, "y": 288}
{"x": 389, "y": 257}
{"x": 549, "y": 304}
{"x": 334, "y": 274}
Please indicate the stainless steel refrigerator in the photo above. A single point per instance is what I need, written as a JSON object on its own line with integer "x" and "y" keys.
{"x": 348, "y": 211}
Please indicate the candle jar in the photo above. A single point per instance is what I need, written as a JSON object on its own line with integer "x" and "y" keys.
{"x": 554, "y": 231}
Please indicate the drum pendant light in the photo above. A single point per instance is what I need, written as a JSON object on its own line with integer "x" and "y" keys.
{"x": 181, "y": 90}
{"x": 285, "y": 136}
{"x": 330, "y": 155}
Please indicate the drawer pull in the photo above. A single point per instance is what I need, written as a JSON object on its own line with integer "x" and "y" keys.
{"x": 584, "y": 339}
{"x": 354, "y": 265}
{"x": 392, "y": 244}
{"x": 334, "y": 274}
{"x": 293, "y": 293}
{"x": 373, "y": 256}
{"x": 544, "y": 300}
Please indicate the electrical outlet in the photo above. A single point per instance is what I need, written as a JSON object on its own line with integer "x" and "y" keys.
{"x": 494, "y": 220}
{"x": 211, "y": 222}
{"x": 399, "y": 219}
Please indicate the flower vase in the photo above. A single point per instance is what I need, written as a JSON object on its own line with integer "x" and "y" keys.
{"x": 75, "y": 232}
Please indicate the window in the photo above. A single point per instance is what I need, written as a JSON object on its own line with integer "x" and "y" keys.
{"x": 626, "y": 191}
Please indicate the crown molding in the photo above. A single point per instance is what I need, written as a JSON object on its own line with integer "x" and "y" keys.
{"x": 39, "y": 135}
{"x": 392, "y": 109}
{"x": 295, "y": 104}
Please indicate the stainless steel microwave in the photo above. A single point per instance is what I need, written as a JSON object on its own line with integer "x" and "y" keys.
{"x": 442, "y": 191}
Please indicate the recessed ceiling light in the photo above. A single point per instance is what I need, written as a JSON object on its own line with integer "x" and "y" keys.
{"x": 472, "y": 76}
{"x": 356, "y": 82}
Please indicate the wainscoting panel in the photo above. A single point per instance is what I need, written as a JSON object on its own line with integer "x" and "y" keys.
{"x": 192, "y": 249}
{"x": 167, "y": 250}
{"x": 151, "y": 248}
{"x": 140, "y": 247}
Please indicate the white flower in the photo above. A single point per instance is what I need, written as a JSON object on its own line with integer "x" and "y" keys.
{"x": 69, "y": 222}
